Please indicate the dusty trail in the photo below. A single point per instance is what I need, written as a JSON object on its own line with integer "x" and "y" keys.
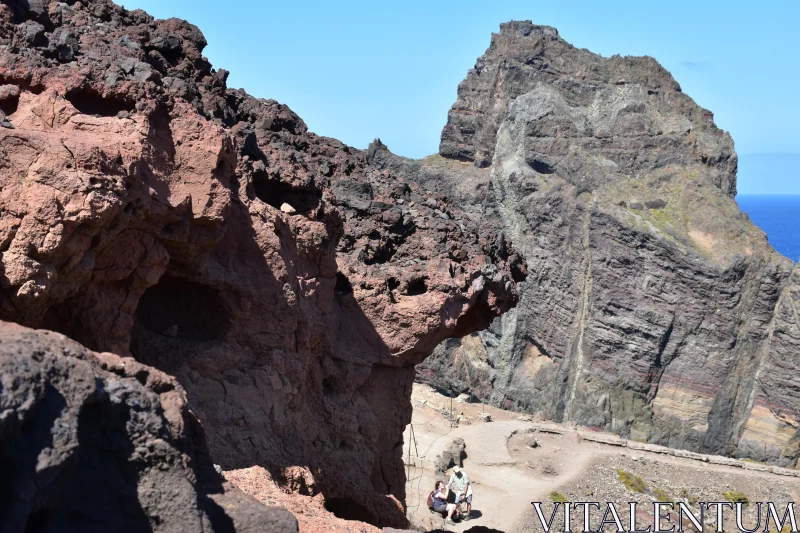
{"x": 508, "y": 474}
{"x": 504, "y": 484}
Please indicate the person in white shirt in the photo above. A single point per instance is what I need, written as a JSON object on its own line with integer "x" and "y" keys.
{"x": 460, "y": 483}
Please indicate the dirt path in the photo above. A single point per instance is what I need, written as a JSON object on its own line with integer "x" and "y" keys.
{"x": 507, "y": 473}
{"x": 503, "y": 485}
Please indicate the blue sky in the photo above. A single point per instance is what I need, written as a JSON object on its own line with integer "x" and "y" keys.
{"x": 359, "y": 70}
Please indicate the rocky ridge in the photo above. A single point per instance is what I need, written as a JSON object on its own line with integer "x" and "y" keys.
{"x": 289, "y": 285}
{"x": 653, "y": 306}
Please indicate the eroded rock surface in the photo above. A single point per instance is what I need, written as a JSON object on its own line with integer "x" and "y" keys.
{"x": 148, "y": 210}
{"x": 313, "y": 513}
{"x": 98, "y": 442}
{"x": 653, "y": 307}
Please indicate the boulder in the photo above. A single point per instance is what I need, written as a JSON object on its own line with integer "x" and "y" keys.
{"x": 98, "y": 442}
{"x": 451, "y": 456}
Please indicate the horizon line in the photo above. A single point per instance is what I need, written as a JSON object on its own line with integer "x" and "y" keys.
{"x": 766, "y": 194}
{"x": 769, "y": 153}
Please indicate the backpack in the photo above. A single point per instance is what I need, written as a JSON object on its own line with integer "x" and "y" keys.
{"x": 430, "y": 499}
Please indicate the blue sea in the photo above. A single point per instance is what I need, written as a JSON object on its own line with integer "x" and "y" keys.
{"x": 779, "y": 217}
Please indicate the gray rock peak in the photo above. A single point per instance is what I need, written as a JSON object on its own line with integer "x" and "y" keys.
{"x": 523, "y": 55}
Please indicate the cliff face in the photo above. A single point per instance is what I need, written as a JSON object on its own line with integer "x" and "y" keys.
{"x": 653, "y": 307}
{"x": 289, "y": 286}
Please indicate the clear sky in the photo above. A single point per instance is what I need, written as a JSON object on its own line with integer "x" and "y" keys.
{"x": 357, "y": 70}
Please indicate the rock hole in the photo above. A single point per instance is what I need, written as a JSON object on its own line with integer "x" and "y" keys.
{"x": 343, "y": 285}
{"x": 175, "y": 307}
{"x": 417, "y": 286}
{"x": 385, "y": 248}
{"x": 518, "y": 269}
{"x": 329, "y": 386}
{"x": 391, "y": 285}
{"x": 477, "y": 318}
{"x": 541, "y": 167}
{"x": 349, "y": 509}
{"x": 90, "y": 102}
{"x": 9, "y": 105}
{"x": 380, "y": 254}
{"x": 276, "y": 193}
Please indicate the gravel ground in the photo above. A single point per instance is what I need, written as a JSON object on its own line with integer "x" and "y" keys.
{"x": 665, "y": 480}
{"x": 582, "y": 471}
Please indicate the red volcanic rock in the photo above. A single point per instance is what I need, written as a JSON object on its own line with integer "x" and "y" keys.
{"x": 313, "y": 515}
{"x": 141, "y": 213}
{"x": 97, "y": 442}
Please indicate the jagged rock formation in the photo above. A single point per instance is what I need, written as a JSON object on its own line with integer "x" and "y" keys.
{"x": 96, "y": 442}
{"x": 148, "y": 210}
{"x": 653, "y": 307}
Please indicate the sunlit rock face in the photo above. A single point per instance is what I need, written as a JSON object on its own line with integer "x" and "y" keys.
{"x": 653, "y": 307}
{"x": 287, "y": 283}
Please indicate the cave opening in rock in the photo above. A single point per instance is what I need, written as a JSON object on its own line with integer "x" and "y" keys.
{"x": 349, "y": 509}
{"x": 541, "y": 167}
{"x": 417, "y": 286}
{"x": 477, "y": 318}
{"x": 90, "y": 102}
{"x": 343, "y": 285}
{"x": 276, "y": 193}
{"x": 179, "y": 308}
{"x": 9, "y": 105}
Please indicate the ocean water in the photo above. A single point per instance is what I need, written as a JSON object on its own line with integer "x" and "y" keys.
{"x": 779, "y": 217}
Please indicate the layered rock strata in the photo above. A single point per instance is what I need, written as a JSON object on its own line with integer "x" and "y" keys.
{"x": 653, "y": 306}
{"x": 97, "y": 442}
{"x": 148, "y": 210}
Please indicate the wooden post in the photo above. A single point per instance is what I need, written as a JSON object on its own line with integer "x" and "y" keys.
{"x": 408, "y": 462}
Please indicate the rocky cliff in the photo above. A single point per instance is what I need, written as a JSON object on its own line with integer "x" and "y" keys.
{"x": 653, "y": 306}
{"x": 288, "y": 284}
